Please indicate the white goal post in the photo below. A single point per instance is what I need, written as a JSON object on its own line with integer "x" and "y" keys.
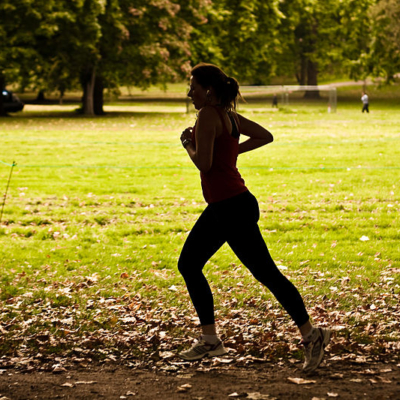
{"x": 284, "y": 92}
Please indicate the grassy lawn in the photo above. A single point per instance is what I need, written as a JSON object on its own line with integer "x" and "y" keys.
{"x": 98, "y": 210}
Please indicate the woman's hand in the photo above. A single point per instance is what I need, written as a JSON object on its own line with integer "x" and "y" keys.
{"x": 186, "y": 137}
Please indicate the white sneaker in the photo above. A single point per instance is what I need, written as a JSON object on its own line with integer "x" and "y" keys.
{"x": 202, "y": 349}
{"x": 314, "y": 350}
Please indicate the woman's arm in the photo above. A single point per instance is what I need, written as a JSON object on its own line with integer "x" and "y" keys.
{"x": 258, "y": 136}
{"x": 201, "y": 153}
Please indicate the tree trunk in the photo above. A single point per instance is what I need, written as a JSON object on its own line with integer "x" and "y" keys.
{"x": 3, "y": 112}
{"x": 40, "y": 97}
{"x": 61, "y": 98}
{"x": 88, "y": 89}
{"x": 301, "y": 79}
{"x": 312, "y": 80}
{"x": 98, "y": 99}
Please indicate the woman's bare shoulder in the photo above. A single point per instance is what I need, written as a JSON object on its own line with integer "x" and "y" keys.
{"x": 208, "y": 116}
{"x": 208, "y": 111}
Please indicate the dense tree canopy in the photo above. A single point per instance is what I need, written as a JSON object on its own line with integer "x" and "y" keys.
{"x": 242, "y": 36}
{"x": 96, "y": 44}
{"x": 22, "y": 23}
{"x": 384, "y": 57}
{"x": 323, "y": 37}
{"x": 118, "y": 42}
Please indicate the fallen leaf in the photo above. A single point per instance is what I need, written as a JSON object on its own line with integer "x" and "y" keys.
{"x": 58, "y": 369}
{"x": 166, "y": 355}
{"x": 337, "y": 328}
{"x": 259, "y": 396}
{"x": 332, "y": 394}
{"x": 184, "y": 388}
{"x": 185, "y": 376}
{"x": 128, "y": 320}
{"x": 383, "y": 380}
{"x": 301, "y": 381}
{"x": 218, "y": 360}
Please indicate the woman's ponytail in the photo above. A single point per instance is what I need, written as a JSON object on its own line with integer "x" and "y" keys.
{"x": 231, "y": 92}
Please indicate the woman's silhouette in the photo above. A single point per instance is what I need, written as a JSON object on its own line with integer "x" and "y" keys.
{"x": 232, "y": 212}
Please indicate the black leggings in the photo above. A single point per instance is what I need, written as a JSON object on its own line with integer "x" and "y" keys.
{"x": 234, "y": 221}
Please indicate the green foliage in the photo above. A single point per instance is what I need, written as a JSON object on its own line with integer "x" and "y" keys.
{"x": 323, "y": 36}
{"x": 242, "y": 37}
{"x": 96, "y": 44}
{"x": 22, "y": 25}
{"x": 384, "y": 57}
{"x": 155, "y": 48}
{"x": 59, "y": 45}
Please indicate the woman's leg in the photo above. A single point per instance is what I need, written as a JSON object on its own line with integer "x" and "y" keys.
{"x": 253, "y": 252}
{"x": 203, "y": 241}
{"x": 245, "y": 239}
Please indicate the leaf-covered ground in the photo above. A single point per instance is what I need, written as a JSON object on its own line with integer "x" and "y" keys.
{"x": 131, "y": 330}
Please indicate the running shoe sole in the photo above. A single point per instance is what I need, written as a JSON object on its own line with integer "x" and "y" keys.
{"x": 219, "y": 351}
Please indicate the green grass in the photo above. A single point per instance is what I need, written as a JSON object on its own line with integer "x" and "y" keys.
{"x": 94, "y": 198}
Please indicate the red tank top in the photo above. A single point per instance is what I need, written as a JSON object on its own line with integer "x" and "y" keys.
{"x": 223, "y": 180}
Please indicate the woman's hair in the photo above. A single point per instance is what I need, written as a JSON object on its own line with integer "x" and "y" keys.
{"x": 226, "y": 88}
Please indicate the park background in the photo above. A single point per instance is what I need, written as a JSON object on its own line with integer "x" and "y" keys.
{"x": 102, "y": 195}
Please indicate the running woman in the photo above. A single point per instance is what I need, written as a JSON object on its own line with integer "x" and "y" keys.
{"x": 232, "y": 213}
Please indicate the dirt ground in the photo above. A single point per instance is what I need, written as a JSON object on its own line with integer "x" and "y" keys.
{"x": 342, "y": 380}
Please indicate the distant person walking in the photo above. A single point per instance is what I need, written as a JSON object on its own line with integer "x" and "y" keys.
{"x": 232, "y": 213}
{"x": 365, "y": 101}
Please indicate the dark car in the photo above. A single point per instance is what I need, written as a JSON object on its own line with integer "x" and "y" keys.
{"x": 11, "y": 102}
